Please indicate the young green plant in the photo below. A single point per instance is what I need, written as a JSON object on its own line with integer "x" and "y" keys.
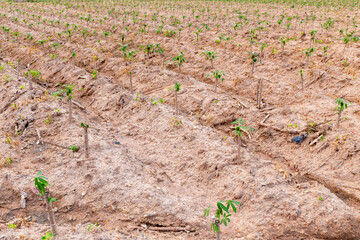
{"x": 69, "y": 93}
{"x": 341, "y": 104}
{"x": 308, "y": 53}
{"x": 149, "y": 49}
{"x": 210, "y": 56}
{"x": 254, "y": 58}
{"x": 239, "y": 128}
{"x": 129, "y": 57}
{"x": 176, "y": 88}
{"x": 179, "y": 60}
{"x": 41, "y": 185}
{"x": 222, "y": 215}
{"x": 218, "y": 75}
{"x": 262, "y": 54}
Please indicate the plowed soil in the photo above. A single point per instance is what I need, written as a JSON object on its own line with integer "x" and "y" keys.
{"x": 151, "y": 174}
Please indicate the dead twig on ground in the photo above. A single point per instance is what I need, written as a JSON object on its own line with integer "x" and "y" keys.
{"x": 267, "y": 116}
{"x": 78, "y": 105}
{"x": 171, "y": 229}
{"x": 321, "y": 134}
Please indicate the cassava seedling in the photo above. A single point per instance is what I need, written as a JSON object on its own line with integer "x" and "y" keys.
{"x": 262, "y": 54}
{"x": 283, "y": 43}
{"x": 347, "y": 38}
{"x": 312, "y": 37}
{"x": 96, "y": 58}
{"x": 41, "y": 185}
{"x": 55, "y": 45}
{"x": 69, "y": 93}
{"x": 236, "y": 26}
{"x": 13, "y": 226}
{"x": 179, "y": 60}
{"x": 254, "y": 59}
{"x": 35, "y": 74}
{"x": 74, "y": 148}
{"x": 69, "y": 32}
{"x": 176, "y": 88}
{"x": 86, "y": 139}
{"x": 129, "y": 56}
{"x": 228, "y": 38}
{"x": 302, "y": 79}
{"x": 325, "y": 50}
{"x": 85, "y": 34}
{"x": 94, "y": 74}
{"x": 197, "y": 33}
{"x": 341, "y": 104}
{"x": 308, "y": 53}
{"x": 210, "y": 56}
{"x": 149, "y": 49}
{"x": 73, "y": 55}
{"x": 218, "y": 75}
{"x": 222, "y": 215}
{"x": 48, "y": 236}
{"x": 93, "y": 227}
{"x": 239, "y": 127}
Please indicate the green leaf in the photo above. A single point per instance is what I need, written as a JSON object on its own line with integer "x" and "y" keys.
{"x": 207, "y": 211}
{"x": 214, "y": 227}
{"x": 235, "y": 202}
{"x": 233, "y": 207}
{"x": 220, "y": 205}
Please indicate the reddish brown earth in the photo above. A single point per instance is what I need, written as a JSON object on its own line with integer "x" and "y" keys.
{"x": 171, "y": 172}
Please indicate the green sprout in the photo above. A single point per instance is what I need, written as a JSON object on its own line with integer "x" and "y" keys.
{"x": 239, "y": 128}
{"x": 179, "y": 60}
{"x": 302, "y": 79}
{"x": 41, "y": 184}
{"x": 254, "y": 58}
{"x": 308, "y": 53}
{"x": 222, "y": 214}
{"x": 35, "y": 74}
{"x": 93, "y": 227}
{"x": 210, "y": 56}
{"x": 218, "y": 75}
{"x": 177, "y": 89}
{"x": 149, "y": 49}
{"x": 94, "y": 74}
{"x": 74, "y": 148}
{"x": 341, "y": 105}
{"x": 48, "y": 236}
{"x": 13, "y": 226}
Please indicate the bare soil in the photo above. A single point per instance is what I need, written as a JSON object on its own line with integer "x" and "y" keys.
{"x": 150, "y": 174}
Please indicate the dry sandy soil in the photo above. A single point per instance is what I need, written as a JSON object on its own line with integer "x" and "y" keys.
{"x": 150, "y": 174}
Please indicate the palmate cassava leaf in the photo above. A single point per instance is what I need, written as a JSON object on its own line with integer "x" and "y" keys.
{"x": 41, "y": 183}
{"x": 222, "y": 213}
{"x": 222, "y": 206}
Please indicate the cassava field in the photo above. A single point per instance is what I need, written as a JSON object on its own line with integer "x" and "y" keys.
{"x": 167, "y": 119}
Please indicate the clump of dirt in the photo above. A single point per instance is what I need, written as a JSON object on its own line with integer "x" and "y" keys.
{"x": 151, "y": 174}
